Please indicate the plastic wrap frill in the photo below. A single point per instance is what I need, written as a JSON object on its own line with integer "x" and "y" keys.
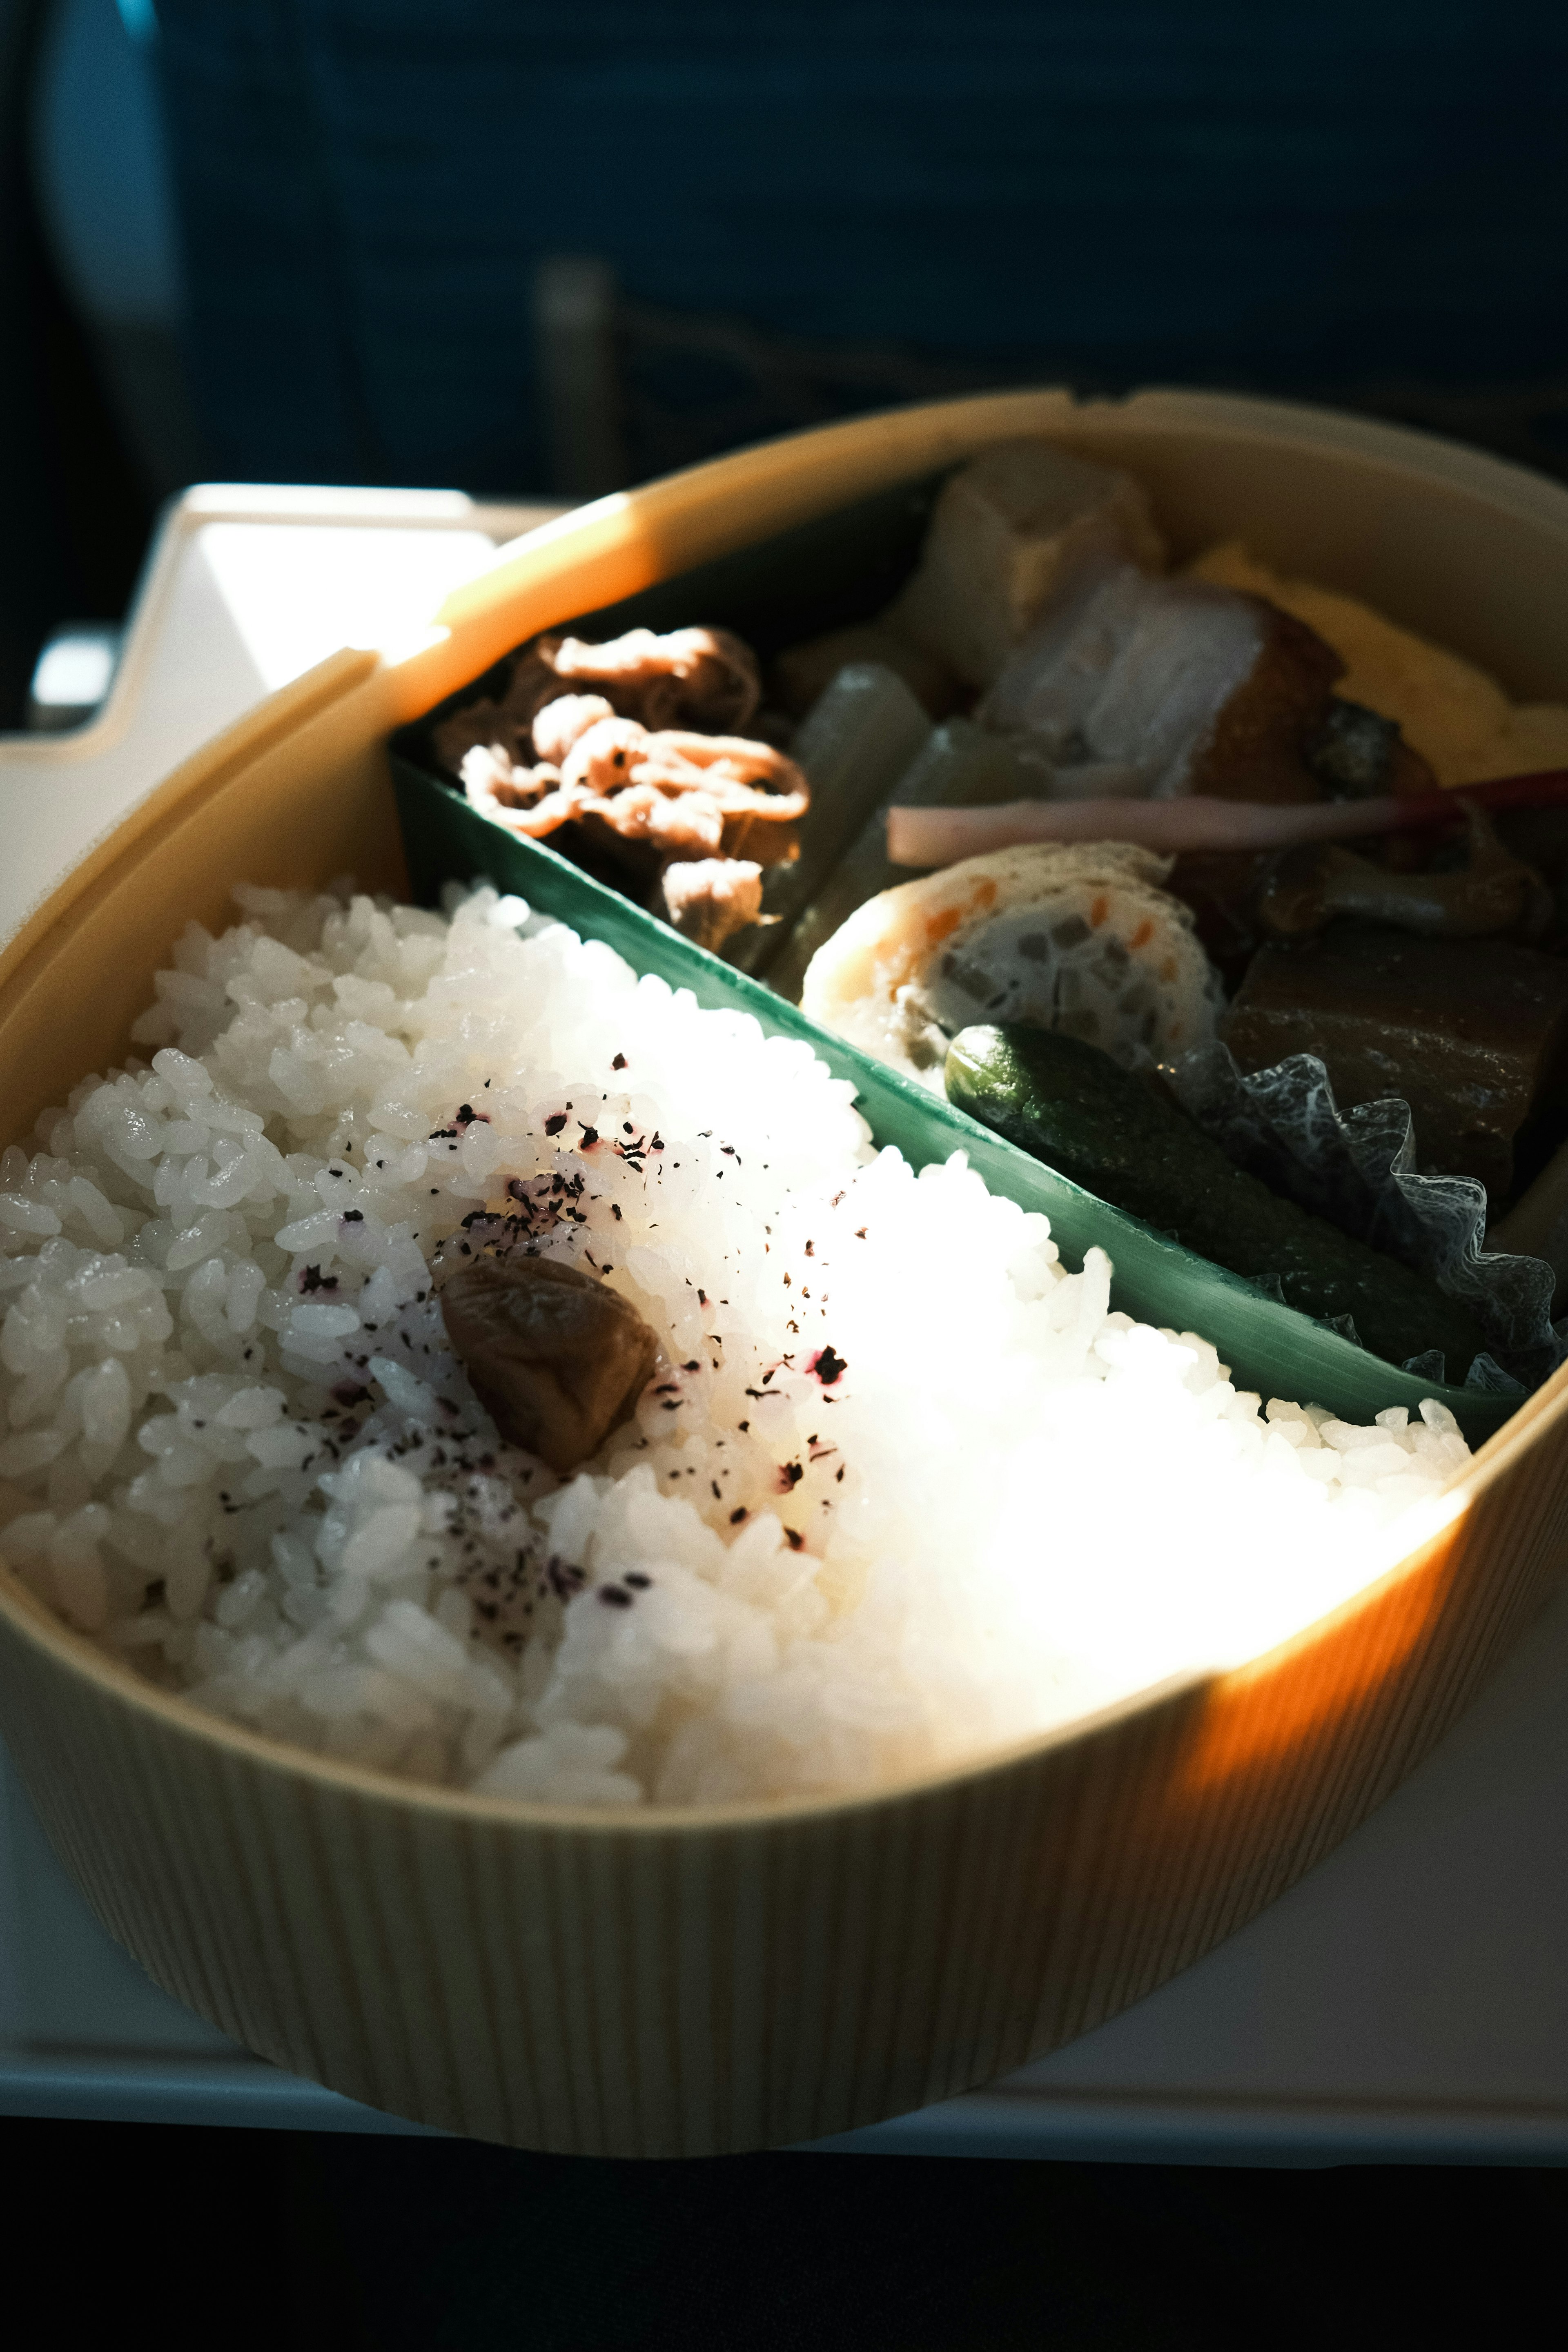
{"x": 1358, "y": 1169}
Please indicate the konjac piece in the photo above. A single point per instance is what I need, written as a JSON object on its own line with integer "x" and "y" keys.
{"x": 1471, "y": 1037}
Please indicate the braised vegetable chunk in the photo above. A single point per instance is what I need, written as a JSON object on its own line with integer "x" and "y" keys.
{"x": 863, "y": 734}
{"x": 1491, "y": 894}
{"x": 1472, "y": 1040}
{"x": 1129, "y": 688}
{"x": 1263, "y": 739}
{"x": 556, "y": 1358}
{"x": 1009, "y": 530}
{"x": 1071, "y": 1106}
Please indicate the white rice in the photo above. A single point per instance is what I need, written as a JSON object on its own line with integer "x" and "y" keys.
{"x": 240, "y": 1456}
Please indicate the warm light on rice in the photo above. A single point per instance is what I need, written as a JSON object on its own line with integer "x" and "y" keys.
{"x": 901, "y": 1486}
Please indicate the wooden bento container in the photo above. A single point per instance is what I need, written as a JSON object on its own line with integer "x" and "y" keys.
{"x": 700, "y": 1981}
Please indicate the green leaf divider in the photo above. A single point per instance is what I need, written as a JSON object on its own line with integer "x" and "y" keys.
{"x": 1269, "y": 1346}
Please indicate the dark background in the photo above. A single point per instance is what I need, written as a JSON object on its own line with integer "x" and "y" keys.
{"x": 374, "y": 2245}
{"x": 799, "y": 208}
{"x": 796, "y": 210}
{"x": 1351, "y": 198}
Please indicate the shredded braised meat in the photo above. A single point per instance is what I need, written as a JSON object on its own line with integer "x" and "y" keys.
{"x": 691, "y": 677}
{"x": 709, "y": 898}
{"x": 563, "y": 720}
{"x": 674, "y": 793}
{"x": 628, "y": 741}
{"x": 702, "y": 679}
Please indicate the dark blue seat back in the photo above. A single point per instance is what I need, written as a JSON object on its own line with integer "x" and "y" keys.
{"x": 1364, "y": 195}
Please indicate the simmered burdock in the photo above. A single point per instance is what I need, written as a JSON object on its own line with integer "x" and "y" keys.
{"x": 1223, "y": 888}
{"x": 1471, "y": 1038}
{"x": 1539, "y": 836}
{"x": 556, "y": 1358}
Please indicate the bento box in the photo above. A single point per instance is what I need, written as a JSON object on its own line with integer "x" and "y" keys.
{"x": 712, "y": 1978}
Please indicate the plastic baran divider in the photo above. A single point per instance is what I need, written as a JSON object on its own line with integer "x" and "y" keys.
{"x": 1268, "y": 1346}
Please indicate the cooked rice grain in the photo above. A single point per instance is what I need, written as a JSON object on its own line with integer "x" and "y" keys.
{"x": 902, "y": 1486}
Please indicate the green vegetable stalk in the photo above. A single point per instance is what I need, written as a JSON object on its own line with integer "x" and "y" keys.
{"x": 1070, "y": 1106}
